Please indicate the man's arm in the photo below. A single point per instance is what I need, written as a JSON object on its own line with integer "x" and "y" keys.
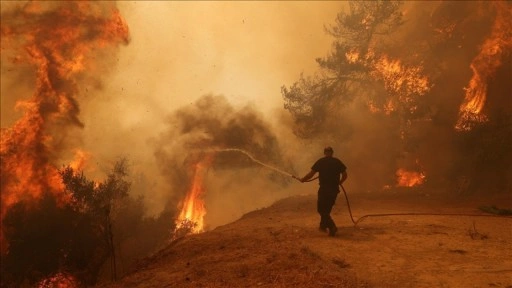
{"x": 344, "y": 176}
{"x": 308, "y": 176}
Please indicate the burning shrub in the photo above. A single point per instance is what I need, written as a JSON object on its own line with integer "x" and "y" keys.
{"x": 46, "y": 236}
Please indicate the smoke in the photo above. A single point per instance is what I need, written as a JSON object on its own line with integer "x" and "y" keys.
{"x": 451, "y": 46}
{"x": 461, "y": 37}
{"x": 153, "y": 100}
{"x": 181, "y": 51}
{"x": 178, "y": 52}
{"x": 56, "y": 56}
{"x": 211, "y": 128}
{"x": 193, "y": 86}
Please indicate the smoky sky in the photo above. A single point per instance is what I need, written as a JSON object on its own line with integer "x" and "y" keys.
{"x": 199, "y": 74}
{"x": 209, "y": 129}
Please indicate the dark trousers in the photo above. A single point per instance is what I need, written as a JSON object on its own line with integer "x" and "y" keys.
{"x": 326, "y": 199}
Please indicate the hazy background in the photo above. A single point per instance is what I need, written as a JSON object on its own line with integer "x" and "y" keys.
{"x": 179, "y": 52}
{"x": 196, "y": 80}
{"x": 201, "y": 75}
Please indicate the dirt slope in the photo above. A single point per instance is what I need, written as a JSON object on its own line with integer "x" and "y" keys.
{"x": 280, "y": 246}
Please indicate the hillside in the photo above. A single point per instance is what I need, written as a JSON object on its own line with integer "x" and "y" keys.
{"x": 280, "y": 246}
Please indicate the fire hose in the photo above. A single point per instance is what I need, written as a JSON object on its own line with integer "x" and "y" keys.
{"x": 403, "y": 214}
{"x": 346, "y": 196}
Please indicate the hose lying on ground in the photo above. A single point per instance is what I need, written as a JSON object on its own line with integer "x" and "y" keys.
{"x": 346, "y": 197}
{"x": 412, "y": 213}
{"x": 405, "y": 214}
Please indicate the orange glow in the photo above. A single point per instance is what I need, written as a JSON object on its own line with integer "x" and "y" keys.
{"x": 403, "y": 83}
{"x": 193, "y": 209}
{"x": 80, "y": 161}
{"x": 372, "y": 107}
{"x": 352, "y": 56}
{"x": 59, "y": 280}
{"x": 401, "y": 79}
{"x": 409, "y": 178}
{"x": 59, "y": 52}
{"x": 387, "y": 108}
{"x": 483, "y": 66}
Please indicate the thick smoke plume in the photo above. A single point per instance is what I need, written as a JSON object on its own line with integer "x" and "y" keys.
{"x": 210, "y": 130}
{"x": 429, "y": 100}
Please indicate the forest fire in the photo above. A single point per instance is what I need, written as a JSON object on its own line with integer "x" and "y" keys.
{"x": 425, "y": 70}
{"x": 60, "y": 53}
{"x": 407, "y": 178}
{"x": 193, "y": 209}
{"x": 483, "y": 66}
{"x": 401, "y": 80}
{"x": 81, "y": 160}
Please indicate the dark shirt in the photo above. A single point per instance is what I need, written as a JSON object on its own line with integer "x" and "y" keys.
{"x": 329, "y": 169}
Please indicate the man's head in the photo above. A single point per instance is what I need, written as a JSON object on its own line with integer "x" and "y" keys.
{"x": 328, "y": 151}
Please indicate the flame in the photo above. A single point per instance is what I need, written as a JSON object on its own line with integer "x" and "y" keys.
{"x": 81, "y": 160}
{"x": 401, "y": 79}
{"x": 407, "y": 178}
{"x": 403, "y": 82}
{"x": 483, "y": 66}
{"x": 193, "y": 209}
{"x": 59, "y": 51}
{"x": 352, "y": 56}
{"x": 59, "y": 280}
{"x": 387, "y": 108}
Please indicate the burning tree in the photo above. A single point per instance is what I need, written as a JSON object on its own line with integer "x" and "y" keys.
{"x": 426, "y": 81}
{"x": 101, "y": 231}
{"x": 345, "y": 71}
{"x": 51, "y": 219}
{"x": 76, "y": 237}
{"x": 59, "y": 42}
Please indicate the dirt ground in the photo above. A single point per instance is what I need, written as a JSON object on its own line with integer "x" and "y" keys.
{"x": 281, "y": 246}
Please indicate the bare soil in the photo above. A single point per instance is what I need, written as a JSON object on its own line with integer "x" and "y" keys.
{"x": 281, "y": 246}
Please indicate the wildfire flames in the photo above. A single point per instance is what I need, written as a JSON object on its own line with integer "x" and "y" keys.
{"x": 409, "y": 178}
{"x": 404, "y": 81}
{"x": 193, "y": 209}
{"x": 401, "y": 79}
{"x": 484, "y": 66}
{"x": 60, "y": 53}
{"x": 64, "y": 44}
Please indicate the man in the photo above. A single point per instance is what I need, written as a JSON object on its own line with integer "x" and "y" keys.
{"x": 329, "y": 169}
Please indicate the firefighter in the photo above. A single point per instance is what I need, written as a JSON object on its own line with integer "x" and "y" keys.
{"x": 329, "y": 170}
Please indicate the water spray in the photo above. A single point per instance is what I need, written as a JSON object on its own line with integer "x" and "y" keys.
{"x": 354, "y": 221}
{"x": 253, "y": 159}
